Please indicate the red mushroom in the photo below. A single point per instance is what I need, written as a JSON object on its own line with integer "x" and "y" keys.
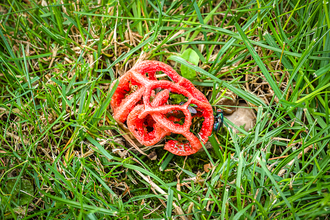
{"x": 140, "y": 113}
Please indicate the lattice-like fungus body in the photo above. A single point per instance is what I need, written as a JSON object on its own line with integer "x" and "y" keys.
{"x": 148, "y": 115}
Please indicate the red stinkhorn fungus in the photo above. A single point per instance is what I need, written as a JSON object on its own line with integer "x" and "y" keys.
{"x": 146, "y": 112}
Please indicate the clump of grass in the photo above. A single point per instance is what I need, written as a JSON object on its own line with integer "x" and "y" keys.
{"x": 57, "y": 60}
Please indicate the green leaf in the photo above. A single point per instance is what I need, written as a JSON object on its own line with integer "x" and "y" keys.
{"x": 260, "y": 63}
{"x": 166, "y": 162}
{"x": 169, "y": 203}
{"x": 99, "y": 146}
{"x": 23, "y": 192}
{"x": 192, "y": 57}
{"x": 74, "y": 204}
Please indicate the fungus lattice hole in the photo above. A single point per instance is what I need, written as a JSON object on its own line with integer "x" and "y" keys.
{"x": 160, "y": 75}
{"x": 151, "y": 75}
{"x": 131, "y": 88}
{"x": 177, "y": 99}
{"x": 193, "y": 109}
{"x": 148, "y": 124}
{"x": 176, "y": 116}
{"x": 178, "y": 137}
{"x": 149, "y": 129}
{"x": 140, "y": 101}
{"x": 196, "y": 126}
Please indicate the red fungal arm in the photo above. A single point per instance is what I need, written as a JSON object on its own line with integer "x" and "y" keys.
{"x": 138, "y": 127}
{"x": 149, "y": 122}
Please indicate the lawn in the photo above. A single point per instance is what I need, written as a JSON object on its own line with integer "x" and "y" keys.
{"x": 63, "y": 156}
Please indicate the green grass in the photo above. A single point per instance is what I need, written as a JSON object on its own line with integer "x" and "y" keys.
{"x": 62, "y": 155}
